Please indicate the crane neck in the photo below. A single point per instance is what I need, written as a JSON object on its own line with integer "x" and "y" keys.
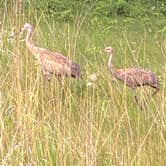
{"x": 110, "y": 65}
{"x": 28, "y": 37}
{"x": 33, "y": 49}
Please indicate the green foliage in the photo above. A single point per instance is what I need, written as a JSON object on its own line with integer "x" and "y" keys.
{"x": 121, "y": 7}
{"x": 65, "y": 10}
{"x": 60, "y": 9}
{"x": 48, "y": 123}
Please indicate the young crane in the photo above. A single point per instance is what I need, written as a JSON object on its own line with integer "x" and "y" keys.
{"x": 133, "y": 77}
{"x": 52, "y": 63}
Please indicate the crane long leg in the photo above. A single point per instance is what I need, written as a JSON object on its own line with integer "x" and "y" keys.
{"x": 157, "y": 89}
{"x": 136, "y": 100}
{"x": 46, "y": 75}
{"x": 62, "y": 84}
{"x": 60, "y": 81}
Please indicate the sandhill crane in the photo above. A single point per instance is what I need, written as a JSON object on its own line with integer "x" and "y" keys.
{"x": 52, "y": 63}
{"x": 133, "y": 77}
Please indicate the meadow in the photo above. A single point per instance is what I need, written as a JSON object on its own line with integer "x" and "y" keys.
{"x": 43, "y": 123}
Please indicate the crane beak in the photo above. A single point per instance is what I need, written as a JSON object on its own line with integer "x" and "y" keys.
{"x": 105, "y": 50}
{"x": 14, "y": 34}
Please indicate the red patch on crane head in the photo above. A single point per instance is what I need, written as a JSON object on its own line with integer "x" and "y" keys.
{"x": 108, "y": 49}
{"x": 27, "y": 26}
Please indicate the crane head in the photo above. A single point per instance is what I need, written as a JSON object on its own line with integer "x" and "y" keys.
{"x": 108, "y": 49}
{"x": 27, "y": 26}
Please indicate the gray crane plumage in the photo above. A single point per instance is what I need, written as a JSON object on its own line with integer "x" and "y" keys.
{"x": 133, "y": 77}
{"x": 52, "y": 63}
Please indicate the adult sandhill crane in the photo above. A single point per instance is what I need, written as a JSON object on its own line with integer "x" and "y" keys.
{"x": 52, "y": 63}
{"x": 133, "y": 77}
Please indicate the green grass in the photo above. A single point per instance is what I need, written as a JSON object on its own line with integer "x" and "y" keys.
{"x": 42, "y": 123}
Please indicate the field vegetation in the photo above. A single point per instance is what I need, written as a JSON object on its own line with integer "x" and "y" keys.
{"x": 46, "y": 123}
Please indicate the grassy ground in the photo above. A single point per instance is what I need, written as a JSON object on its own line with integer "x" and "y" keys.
{"x": 43, "y": 123}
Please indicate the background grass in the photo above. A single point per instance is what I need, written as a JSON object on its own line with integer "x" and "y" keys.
{"x": 42, "y": 123}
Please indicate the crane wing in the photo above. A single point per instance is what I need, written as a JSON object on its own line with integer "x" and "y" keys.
{"x": 59, "y": 64}
{"x": 55, "y": 63}
{"x": 56, "y": 57}
{"x": 135, "y": 76}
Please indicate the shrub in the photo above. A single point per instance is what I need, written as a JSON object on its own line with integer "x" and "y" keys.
{"x": 65, "y": 10}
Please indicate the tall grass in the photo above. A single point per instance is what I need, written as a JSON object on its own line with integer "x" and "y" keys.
{"x": 43, "y": 123}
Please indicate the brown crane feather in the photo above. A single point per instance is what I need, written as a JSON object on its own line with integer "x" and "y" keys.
{"x": 52, "y": 63}
{"x": 133, "y": 77}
